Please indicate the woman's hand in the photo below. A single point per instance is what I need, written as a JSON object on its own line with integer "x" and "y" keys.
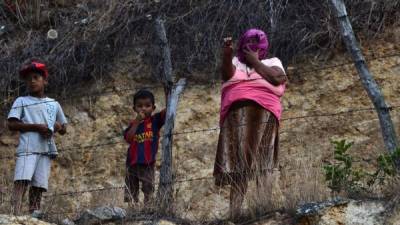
{"x": 227, "y": 69}
{"x": 251, "y": 56}
{"x": 228, "y": 47}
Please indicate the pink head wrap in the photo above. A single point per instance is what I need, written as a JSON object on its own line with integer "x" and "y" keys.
{"x": 262, "y": 44}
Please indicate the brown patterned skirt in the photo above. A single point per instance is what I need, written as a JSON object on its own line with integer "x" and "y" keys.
{"x": 247, "y": 145}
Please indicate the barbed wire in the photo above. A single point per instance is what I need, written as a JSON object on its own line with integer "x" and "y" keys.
{"x": 106, "y": 92}
{"x": 186, "y": 180}
{"x": 393, "y": 54}
{"x": 101, "y": 189}
{"x": 120, "y": 141}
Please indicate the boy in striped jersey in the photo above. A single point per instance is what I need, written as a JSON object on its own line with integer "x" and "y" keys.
{"x": 143, "y": 135}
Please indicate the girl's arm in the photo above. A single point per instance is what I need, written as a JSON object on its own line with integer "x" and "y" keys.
{"x": 227, "y": 68}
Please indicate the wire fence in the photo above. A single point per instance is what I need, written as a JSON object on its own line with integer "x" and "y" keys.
{"x": 213, "y": 83}
{"x": 180, "y": 180}
{"x": 118, "y": 139}
{"x": 211, "y": 129}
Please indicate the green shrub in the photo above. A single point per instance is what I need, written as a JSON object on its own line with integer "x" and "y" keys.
{"x": 342, "y": 176}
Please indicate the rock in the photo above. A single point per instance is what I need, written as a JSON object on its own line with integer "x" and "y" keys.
{"x": 149, "y": 222}
{"x": 67, "y": 222}
{"x": 312, "y": 208}
{"x": 101, "y": 214}
{"x": 21, "y": 220}
{"x": 164, "y": 222}
{"x": 364, "y": 213}
{"x": 81, "y": 117}
{"x": 349, "y": 212}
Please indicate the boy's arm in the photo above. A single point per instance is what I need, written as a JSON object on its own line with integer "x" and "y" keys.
{"x": 60, "y": 128}
{"x": 16, "y": 125}
{"x": 130, "y": 132}
{"x": 166, "y": 95}
{"x": 61, "y": 121}
{"x": 161, "y": 116}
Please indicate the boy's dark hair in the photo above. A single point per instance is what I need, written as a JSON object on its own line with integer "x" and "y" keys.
{"x": 143, "y": 93}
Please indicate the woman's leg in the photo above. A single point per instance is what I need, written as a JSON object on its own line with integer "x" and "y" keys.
{"x": 238, "y": 191}
{"x": 20, "y": 187}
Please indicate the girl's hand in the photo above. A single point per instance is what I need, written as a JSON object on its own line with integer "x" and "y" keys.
{"x": 251, "y": 56}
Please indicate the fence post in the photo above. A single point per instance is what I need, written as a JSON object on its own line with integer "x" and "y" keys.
{"x": 372, "y": 88}
{"x": 165, "y": 189}
{"x": 167, "y": 77}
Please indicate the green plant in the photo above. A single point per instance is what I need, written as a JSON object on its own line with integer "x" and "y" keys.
{"x": 342, "y": 176}
{"x": 387, "y": 167}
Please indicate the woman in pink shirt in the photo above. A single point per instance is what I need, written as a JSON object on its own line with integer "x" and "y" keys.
{"x": 250, "y": 114}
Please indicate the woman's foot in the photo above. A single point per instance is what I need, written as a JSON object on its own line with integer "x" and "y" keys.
{"x": 37, "y": 214}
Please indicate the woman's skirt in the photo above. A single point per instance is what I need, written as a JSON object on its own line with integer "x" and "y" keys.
{"x": 247, "y": 145}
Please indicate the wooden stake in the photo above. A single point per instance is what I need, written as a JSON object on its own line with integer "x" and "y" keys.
{"x": 372, "y": 88}
{"x": 165, "y": 190}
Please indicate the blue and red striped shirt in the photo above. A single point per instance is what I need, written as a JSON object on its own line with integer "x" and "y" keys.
{"x": 143, "y": 149}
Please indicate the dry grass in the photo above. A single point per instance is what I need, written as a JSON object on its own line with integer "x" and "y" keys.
{"x": 93, "y": 34}
{"x": 287, "y": 189}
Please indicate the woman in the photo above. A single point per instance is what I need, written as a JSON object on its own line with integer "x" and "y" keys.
{"x": 250, "y": 114}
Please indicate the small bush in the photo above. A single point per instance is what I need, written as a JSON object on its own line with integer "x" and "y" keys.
{"x": 342, "y": 176}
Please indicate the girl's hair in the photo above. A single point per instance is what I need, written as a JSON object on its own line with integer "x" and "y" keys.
{"x": 143, "y": 93}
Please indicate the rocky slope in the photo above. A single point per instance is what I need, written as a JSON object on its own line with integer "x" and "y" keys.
{"x": 305, "y": 142}
{"x": 20, "y": 220}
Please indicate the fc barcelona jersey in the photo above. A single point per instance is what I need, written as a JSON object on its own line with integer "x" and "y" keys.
{"x": 143, "y": 149}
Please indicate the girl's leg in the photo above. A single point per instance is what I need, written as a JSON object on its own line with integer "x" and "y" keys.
{"x": 20, "y": 187}
{"x": 35, "y": 197}
{"x": 238, "y": 191}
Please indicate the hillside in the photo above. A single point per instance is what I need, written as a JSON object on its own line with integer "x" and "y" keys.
{"x": 88, "y": 160}
{"x": 96, "y": 68}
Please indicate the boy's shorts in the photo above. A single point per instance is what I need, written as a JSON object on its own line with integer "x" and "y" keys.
{"x": 34, "y": 168}
{"x": 139, "y": 174}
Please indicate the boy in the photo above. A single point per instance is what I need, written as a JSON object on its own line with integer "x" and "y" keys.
{"x": 143, "y": 136}
{"x": 37, "y": 118}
